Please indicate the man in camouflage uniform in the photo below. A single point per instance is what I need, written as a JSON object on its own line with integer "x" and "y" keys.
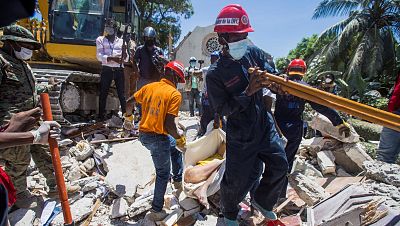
{"x": 18, "y": 92}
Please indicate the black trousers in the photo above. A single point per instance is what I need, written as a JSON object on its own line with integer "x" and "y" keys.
{"x": 194, "y": 98}
{"x": 108, "y": 74}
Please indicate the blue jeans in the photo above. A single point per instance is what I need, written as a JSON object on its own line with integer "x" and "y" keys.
{"x": 163, "y": 153}
{"x": 389, "y": 146}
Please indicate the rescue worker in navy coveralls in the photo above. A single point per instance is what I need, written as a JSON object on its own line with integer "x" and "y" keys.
{"x": 288, "y": 114}
{"x": 251, "y": 135}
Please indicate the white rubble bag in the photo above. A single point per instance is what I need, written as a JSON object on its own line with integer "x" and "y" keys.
{"x": 202, "y": 149}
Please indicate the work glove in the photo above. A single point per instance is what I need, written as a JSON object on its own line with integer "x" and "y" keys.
{"x": 128, "y": 122}
{"x": 47, "y": 129}
{"x": 181, "y": 143}
{"x": 344, "y": 128}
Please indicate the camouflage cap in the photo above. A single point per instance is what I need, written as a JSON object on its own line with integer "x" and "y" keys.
{"x": 19, "y": 34}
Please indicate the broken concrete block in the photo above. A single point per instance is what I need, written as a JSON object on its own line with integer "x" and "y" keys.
{"x": 91, "y": 186}
{"x": 74, "y": 173}
{"x": 351, "y": 157}
{"x": 140, "y": 206}
{"x": 308, "y": 190}
{"x": 172, "y": 218}
{"x": 326, "y": 162}
{"x": 322, "y": 123}
{"x": 300, "y": 165}
{"x": 89, "y": 164}
{"x": 119, "y": 208}
{"x": 79, "y": 210}
{"x": 22, "y": 217}
{"x": 383, "y": 172}
{"x": 310, "y": 147}
{"x": 129, "y": 165}
{"x": 191, "y": 212}
{"x": 82, "y": 150}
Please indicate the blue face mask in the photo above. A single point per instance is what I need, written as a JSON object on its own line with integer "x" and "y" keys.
{"x": 238, "y": 49}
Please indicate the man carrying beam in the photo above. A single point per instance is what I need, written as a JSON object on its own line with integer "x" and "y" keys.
{"x": 288, "y": 114}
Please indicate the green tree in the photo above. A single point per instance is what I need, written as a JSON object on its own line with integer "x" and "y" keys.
{"x": 364, "y": 43}
{"x": 165, "y": 16}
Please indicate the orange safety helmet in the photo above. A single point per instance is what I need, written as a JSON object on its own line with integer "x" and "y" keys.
{"x": 233, "y": 19}
{"x": 297, "y": 67}
{"x": 178, "y": 68}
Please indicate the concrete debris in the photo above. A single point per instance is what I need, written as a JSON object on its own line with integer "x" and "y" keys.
{"x": 114, "y": 122}
{"x": 210, "y": 220}
{"x": 89, "y": 164}
{"x": 140, "y": 206}
{"x": 172, "y": 218}
{"x": 307, "y": 189}
{"x": 82, "y": 150}
{"x": 322, "y": 123}
{"x": 119, "y": 208}
{"x": 302, "y": 166}
{"x": 351, "y": 157}
{"x": 22, "y": 217}
{"x": 79, "y": 210}
{"x": 340, "y": 172}
{"x": 189, "y": 124}
{"x": 74, "y": 173}
{"x": 326, "y": 162}
{"x": 129, "y": 165}
{"x": 383, "y": 172}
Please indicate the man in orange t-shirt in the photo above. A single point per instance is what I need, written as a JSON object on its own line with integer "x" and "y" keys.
{"x": 160, "y": 103}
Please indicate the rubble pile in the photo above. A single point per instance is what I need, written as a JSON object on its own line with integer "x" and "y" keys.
{"x": 333, "y": 182}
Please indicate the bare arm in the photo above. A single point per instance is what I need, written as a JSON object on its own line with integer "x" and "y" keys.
{"x": 130, "y": 105}
{"x": 171, "y": 127}
{"x": 10, "y": 139}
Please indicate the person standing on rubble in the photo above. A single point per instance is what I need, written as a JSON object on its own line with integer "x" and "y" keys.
{"x": 288, "y": 114}
{"x": 389, "y": 144}
{"x": 147, "y": 56}
{"x": 251, "y": 135}
{"x": 193, "y": 86}
{"x": 160, "y": 103}
{"x": 110, "y": 53}
{"x": 207, "y": 112}
{"x": 19, "y": 93}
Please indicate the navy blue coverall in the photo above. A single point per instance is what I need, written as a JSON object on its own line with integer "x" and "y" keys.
{"x": 288, "y": 114}
{"x": 251, "y": 134}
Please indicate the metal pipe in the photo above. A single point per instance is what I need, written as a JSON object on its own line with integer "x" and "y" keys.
{"x": 55, "y": 157}
{"x": 362, "y": 111}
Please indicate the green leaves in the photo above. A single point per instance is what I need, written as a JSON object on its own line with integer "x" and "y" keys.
{"x": 364, "y": 43}
{"x": 165, "y": 17}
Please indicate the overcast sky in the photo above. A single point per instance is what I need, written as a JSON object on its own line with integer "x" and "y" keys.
{"x": 279, "y": 24}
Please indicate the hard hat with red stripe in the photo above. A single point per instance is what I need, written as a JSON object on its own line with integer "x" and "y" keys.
{"x": 177, "y": 67}
{"x": 233, "y": 19}
{"x": 297, "y": 67}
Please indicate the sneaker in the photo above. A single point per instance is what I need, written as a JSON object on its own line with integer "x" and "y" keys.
{"x": 230, "y": 222}
{"x": 26, "y": 200}
{"x": 156, "y": 216}
{"x": 270, "y": 215}
{"x": 53, "y": 191}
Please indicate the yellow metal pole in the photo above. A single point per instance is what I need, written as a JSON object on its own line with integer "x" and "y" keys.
{"x": 365, "y": 112}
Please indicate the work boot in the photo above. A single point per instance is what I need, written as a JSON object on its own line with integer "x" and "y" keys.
{"x": 269, "y": 215}
{"x": 177, "y": 185}
{"x": 53, "y": 191}
{"x": 26, "y": 200}
{"x": 156, "y": 216}
{"x": 230, "y": 222}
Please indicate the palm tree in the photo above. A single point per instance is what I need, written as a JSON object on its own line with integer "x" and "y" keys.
{"x": 364, "y": 41}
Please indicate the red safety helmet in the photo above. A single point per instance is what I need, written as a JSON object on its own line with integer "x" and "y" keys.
{"x": 297, "y": 67}
{"x": 233, "y": 19}
{"x": 178, "y": 68}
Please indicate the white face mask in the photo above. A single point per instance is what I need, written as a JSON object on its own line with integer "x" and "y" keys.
{"x": 23, "y": 54}
{"x": 238, "y": 49}
{"x": 109, "y": 31}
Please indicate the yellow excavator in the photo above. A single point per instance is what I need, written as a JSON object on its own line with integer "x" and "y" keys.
{"x": 68, "y": 30}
